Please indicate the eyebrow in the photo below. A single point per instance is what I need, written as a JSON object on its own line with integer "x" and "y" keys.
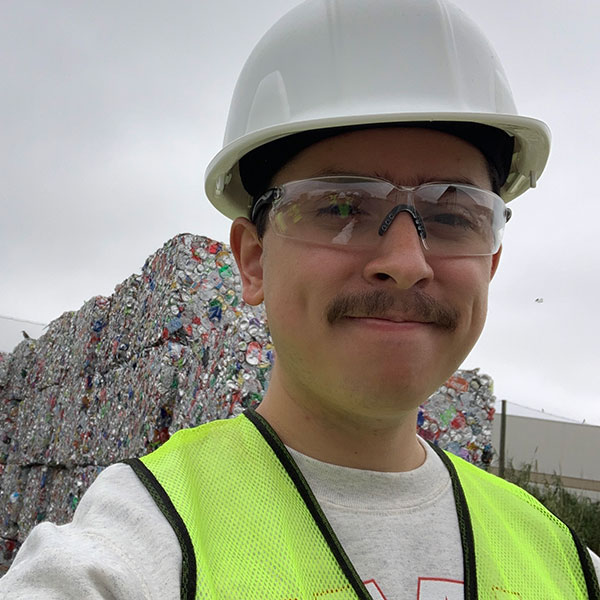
{"x": 387, "y": 176}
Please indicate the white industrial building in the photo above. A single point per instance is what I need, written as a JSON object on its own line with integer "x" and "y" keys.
{"x": 552, "y": 445}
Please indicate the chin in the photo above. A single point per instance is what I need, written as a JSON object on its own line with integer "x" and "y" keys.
{"x": 388, "y": 401}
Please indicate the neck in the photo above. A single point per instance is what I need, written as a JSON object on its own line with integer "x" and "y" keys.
{"x": 340, "y": 438}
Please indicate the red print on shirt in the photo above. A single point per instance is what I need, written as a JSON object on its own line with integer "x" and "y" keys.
{"x": 434, "y": 588}
{"x": 374, "y": 590}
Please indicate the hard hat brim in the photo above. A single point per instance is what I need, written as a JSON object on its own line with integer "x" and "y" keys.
{"x": 532, "y": 137}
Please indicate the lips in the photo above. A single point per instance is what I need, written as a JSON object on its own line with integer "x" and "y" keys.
{"x": 386, "y": 326}
{"x": 391, "y": 317}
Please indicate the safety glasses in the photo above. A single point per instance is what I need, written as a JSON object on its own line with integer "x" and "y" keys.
{"x": 451, "y": 219}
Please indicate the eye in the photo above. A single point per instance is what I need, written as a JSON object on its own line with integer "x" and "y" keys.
{"x": 452, "y": 219}
{"x": 339, "y": 205}
{"x": 338, "y": 210}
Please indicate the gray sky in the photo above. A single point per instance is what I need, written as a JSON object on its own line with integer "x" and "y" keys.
{"x": 110, "y": 112}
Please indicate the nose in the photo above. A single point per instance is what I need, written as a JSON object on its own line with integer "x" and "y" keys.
{"x": 398, "y": 258}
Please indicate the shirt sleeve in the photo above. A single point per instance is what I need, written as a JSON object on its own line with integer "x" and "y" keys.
{"x": 118, "y": 546}
{"x": 596, "y": 563}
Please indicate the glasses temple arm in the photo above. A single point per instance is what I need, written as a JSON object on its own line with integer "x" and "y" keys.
{"x": 264, "y": 200}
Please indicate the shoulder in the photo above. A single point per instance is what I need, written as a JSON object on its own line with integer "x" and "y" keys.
{"x": 118, "y": 541}
{"x": 475, "y": 478}
{"x": 117, "y": 496}
{"x": 228, "y": 440}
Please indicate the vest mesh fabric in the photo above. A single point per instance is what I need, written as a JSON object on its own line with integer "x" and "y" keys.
{"x": 522, "y": 551}
{"x": 247, "y": 520}
{"x": 252, "y": 534}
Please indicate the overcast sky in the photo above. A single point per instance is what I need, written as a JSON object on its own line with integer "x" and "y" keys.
{"x": 111, "y": 110}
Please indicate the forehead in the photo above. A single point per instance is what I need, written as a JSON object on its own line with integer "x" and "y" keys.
{"x": 404, "y": 156}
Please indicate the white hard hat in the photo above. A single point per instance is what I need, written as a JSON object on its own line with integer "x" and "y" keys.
{"x": 339, "y": 63}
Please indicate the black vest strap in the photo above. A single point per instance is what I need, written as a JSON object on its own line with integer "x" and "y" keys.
{"x": 188, "y": 556}
{"x": 307, "y": 495}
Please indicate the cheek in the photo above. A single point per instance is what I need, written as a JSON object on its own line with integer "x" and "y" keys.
{"x": 286, "y": 281}
{"x": 478, "y": 304}
{"x": 479, "y": 312}
{"x": 467, "y": 280}
{"x": 300, "y": 281}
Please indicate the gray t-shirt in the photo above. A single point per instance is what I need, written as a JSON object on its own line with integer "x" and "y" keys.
{"x": 400, "y": 530}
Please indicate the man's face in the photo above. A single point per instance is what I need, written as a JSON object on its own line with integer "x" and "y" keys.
{"x": 372, "y": 332}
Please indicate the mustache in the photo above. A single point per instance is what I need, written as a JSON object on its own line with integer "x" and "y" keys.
{"x": 418, "y": 305}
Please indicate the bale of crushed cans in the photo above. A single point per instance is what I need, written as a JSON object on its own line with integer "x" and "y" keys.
{"x": 173, "y": 347}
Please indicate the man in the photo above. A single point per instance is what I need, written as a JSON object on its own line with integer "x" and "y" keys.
{"x": 369, "y": 151}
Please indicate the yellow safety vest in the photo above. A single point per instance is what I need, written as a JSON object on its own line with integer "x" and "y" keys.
{"x": 250, "y": 528}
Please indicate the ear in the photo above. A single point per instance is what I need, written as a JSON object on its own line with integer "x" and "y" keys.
{"x": 495, "y": 263}
{"x": 247, "y": 250}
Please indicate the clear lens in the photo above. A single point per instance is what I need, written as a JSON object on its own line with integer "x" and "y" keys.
{"x": 348, "y": 211}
